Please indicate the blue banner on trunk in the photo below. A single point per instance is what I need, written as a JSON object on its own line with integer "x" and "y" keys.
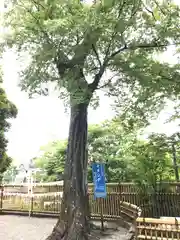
{"x": 99, "y": 180}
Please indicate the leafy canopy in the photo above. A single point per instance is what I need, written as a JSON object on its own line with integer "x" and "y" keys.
{"x": 127, "y": 158}
{"x": 10, "y": 174}
{"x": 52, "y": 161}
{"x": 109, "y": 44}
{"x": 7, "y": 111}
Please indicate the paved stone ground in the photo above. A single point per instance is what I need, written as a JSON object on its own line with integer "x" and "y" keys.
{"x": 25, "y": 228}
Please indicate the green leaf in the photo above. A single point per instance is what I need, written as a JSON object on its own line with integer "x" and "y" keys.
{"x": 107, "y": 3}
{"x": 157, "y": 14}
{"x": 121, "y": 25}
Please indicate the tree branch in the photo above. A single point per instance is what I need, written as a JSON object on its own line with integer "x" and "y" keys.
{"x": 93, "y": 86}
{"x": 114, "y": 32}
{"x": 141, "y": 46}
{"x": 152, "y": 45}
{"x": 98, "y": 76}
{"x": 97, "y": 55}
{"x": 112, "y": 94}
{"x": 38, "y": 4}
{"x": 64, "y": 63}
{"x": 134, "y": 11}
{"x": 108, "y": 82}
{"x": 150, "y": 11}
{"x": 162, "y": 11}
{"x": 83, "y": 49}
{"x": 117, "y": 52}
{"x": 77, "y": 38}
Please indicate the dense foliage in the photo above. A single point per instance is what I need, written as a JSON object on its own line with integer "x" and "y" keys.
{"x": 7, "y": 111}
{"x": 123, "y": 57}
{"x": 10, "y": 174}
{"x": 127, "y": 158}
{"x": 51, "y": 162}
{"x": 106, "y": 143}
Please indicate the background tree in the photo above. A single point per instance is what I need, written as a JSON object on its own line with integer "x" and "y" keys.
{"x": 75, "y": 45}
{"x": 52, "y": 161}
{"x": 153, "y": 162}
{"x": 171, "y": 144}
{"x": 127, "y": 158}
{"x": 112, "y": 147}
{"x": 7, "y": 111}
{"x": 10, "y": 174}
{"x": 152, "y": 169}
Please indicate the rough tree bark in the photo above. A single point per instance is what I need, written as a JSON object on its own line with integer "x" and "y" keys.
{"x": 73, "y": 223}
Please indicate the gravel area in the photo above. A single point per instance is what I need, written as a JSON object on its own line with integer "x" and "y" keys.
{"x": 25, "y": 228}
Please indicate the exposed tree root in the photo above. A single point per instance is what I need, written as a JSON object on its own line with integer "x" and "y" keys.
{"x": 74, "y": 232}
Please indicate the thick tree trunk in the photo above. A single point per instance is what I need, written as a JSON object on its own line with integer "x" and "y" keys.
{"x": 74, "y": 218}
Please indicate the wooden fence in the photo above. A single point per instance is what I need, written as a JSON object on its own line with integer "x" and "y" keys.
{"x": 123, "y": 201}
{"x": 112, "y": 207}
{"x": 157, "y": 229}
{"x": 152, "y": 204}
{"x": 128, "y": 188}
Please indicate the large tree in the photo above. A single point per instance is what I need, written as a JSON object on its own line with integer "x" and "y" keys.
{"x": 7, "y": 111}
{"x": 109, "y": 44}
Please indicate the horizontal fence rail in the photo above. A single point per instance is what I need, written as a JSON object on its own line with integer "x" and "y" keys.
{"x": 131, "y": 188}
{"x": 163, "y": 203}
{"x": 112, "y": 208}
{"x": 46, "y": 199}
{"x": 125, "y": 200}
{"x": 158, "y": 229}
